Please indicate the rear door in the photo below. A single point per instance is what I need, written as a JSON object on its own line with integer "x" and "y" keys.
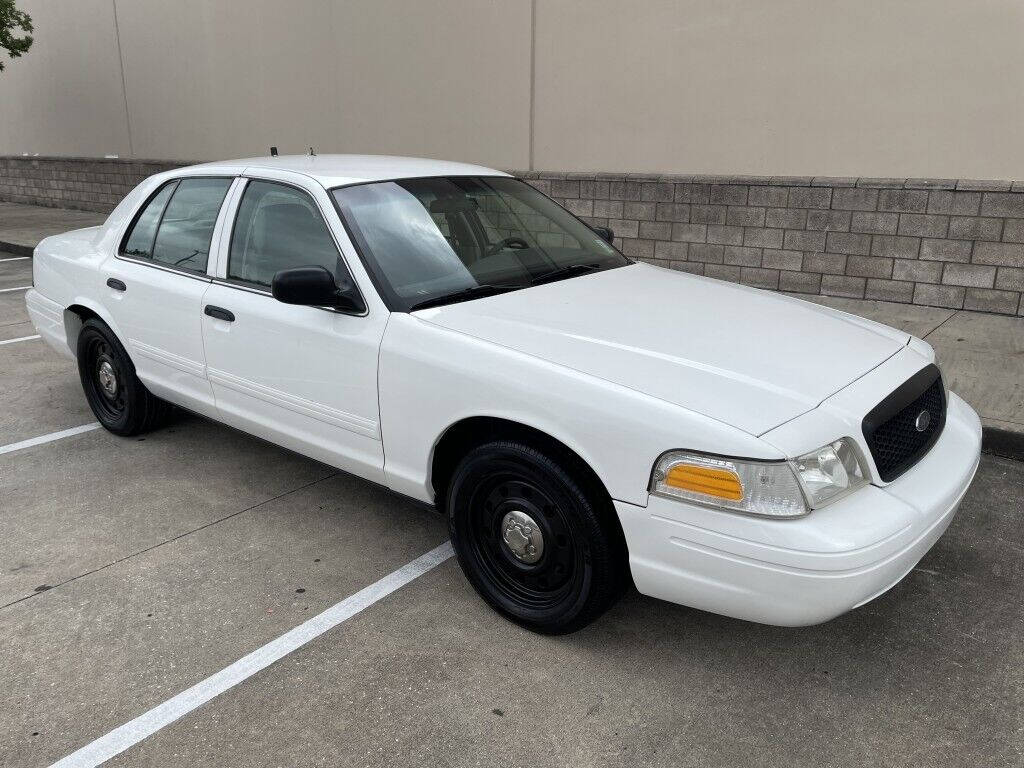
{"x": 156, "y": 283}
{"x": 302, "y": 377}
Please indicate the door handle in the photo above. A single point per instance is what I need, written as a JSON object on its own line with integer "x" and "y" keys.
{"x": 220, "y": 313}
{"x": 117, "y": 285}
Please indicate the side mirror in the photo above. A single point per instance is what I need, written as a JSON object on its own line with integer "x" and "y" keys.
{"x": 605, "y": 234}
{"x": 315, "y": 287}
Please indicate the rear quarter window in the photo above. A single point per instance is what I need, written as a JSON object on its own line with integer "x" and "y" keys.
{"x": 140, "y": 239}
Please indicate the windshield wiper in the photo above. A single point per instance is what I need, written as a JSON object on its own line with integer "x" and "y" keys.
{"x": 466, "y": 294}
{"x": 480, "y": 291}
{"x": 563, "y": 272}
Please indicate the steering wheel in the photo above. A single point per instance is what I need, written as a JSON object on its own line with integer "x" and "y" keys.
{"x": 509, "y": 242}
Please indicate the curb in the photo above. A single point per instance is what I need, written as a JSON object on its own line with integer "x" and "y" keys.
{"x": 1002, "y": 442}
{"x": 18, "y": 249}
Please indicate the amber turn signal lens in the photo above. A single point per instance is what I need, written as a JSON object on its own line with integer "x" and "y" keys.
{"x": 710, "y": 481}
{"x": 756, "y": 487}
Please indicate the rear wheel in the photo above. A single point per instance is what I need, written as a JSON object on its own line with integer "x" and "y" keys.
{"x": 121, "y": 402}
{"x": 537, "y": 545}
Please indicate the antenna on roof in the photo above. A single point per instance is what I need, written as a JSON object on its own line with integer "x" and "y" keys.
{"x": 311, "y": 152}
{"x": 273, "y": 151}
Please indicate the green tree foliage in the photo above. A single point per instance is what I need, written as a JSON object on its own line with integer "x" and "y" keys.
{"x": 12, "y": 19}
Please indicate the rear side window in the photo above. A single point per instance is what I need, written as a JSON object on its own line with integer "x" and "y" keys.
{"x": 176, "y": 226}
{"x": 279, "y": 227}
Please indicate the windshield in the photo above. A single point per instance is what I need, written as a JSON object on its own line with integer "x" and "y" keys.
{"x": 437, "y": 240}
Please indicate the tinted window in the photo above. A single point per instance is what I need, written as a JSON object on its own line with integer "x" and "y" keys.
{"x": 140, "y": 240}
{"x": 183, "y": 239}
{"x": 278, "y": 227}
{"x": 430, "y": 238}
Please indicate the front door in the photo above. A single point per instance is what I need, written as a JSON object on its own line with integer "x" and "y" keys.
{"x": 303, "y": 377}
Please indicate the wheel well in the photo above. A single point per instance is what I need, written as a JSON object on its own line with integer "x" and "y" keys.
{"x": 463, "y": 436}
{"x": 74, "y": 318}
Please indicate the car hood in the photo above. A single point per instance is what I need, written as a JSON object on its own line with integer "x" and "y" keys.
{"x": 746, "y": 357}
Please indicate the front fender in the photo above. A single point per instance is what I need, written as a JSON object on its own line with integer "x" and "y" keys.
{"x": 430, "y": 378}
{"x": 521, "y": 418}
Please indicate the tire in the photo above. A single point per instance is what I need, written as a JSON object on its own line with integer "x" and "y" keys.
{"x": 121, "y": 403}
{"x": 555, "y": 583}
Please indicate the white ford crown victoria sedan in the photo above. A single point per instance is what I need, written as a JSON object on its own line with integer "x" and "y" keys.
{"x": 449, "y": 332}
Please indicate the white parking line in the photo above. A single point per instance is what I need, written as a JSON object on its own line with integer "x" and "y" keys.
{"x": 20, "y": 338}
{"x": 20, "y": 288}
{"x": 48, "y": 438}
{"x": 17, "y": 258}
{"x": 134, "y": 731}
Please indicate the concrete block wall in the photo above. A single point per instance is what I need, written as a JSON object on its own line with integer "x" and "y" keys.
{"x": 82, "y": 183}
{"x": 937, "y": 242}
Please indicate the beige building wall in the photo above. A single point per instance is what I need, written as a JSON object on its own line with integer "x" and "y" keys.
{"x": 214, "y": 80}
{"x": 65, "y": 95}
{"x": 801, "y": 87}
{"x": 208, "y": 80}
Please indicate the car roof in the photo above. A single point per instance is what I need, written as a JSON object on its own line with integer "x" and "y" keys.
{"x": 339, "y": 170}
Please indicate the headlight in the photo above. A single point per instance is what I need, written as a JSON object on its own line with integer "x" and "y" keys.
{"x": 831, "y": 471}
{"x": 777, "y": 489}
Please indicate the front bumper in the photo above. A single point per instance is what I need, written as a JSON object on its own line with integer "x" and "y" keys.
{"x": 811, "y": 569}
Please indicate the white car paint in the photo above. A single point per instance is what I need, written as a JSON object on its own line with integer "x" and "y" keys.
{"x": 732, "y": 353}
{"x": 620, "y": 366}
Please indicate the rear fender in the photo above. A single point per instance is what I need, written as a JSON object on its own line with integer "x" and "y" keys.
{"x": 73, "y": 322}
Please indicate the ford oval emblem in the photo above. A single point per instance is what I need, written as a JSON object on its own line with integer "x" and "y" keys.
{"x": 922, "y": 421}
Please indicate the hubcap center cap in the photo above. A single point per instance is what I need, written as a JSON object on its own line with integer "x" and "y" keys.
{"x": 522, "y": 536}
{"x": 107, "y": 378}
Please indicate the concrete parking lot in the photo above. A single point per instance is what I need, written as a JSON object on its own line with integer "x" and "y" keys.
{"x": 132, "y": 569}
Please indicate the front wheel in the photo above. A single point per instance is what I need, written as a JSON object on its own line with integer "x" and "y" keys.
{"x": 536, "y": 546}
{"x": 121, "y": 402}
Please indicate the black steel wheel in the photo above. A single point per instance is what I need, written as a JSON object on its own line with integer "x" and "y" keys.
{"x": 535, "y": 544}
{"x": 120, "y": 401}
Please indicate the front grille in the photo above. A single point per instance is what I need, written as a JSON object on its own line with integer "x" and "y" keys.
{"x": 893, "y": 430}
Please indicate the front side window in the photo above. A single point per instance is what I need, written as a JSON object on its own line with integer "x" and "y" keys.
{"x": 176, "y": 226}
{"x": 428, "y": 240}
{"x": 279, "y": 227}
